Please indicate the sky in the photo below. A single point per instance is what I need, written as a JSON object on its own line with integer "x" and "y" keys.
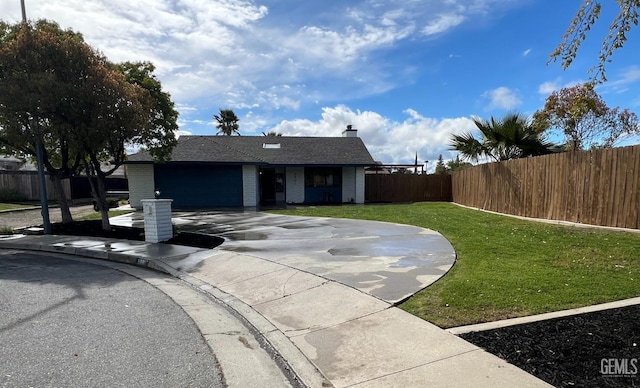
{"x": 406, "y": 73}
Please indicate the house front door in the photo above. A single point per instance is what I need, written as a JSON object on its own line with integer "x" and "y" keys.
{"x": 267, "y": 186}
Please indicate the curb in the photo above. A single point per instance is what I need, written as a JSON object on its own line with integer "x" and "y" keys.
{"x": 542, "y": 317}
{"x": 14, "y": 243}
{"x": 292, "y": 362}
{"x": 287, "y": 355}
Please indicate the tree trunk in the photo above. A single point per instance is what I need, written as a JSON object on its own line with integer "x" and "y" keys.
{"x": 98, "y": 192}
{"x": 64, "y": 205}
{"x": 104, "y": 210}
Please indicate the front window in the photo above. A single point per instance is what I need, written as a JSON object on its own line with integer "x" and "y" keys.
{"x": 323, "y": 177}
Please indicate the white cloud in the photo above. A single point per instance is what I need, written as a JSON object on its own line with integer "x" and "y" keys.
{"x": 205, "y": 51}
{"x": 241, "y": 54}
{"x": 442, "y": 23}
{"x": 621, "y": 82}
{"x": 182, "y": 133}
{"x": 387, "y": 140}
{"x": 548, "y": 87}
{"x": 335, "y": 48}
{"x": 526, "y": 52}
{"x": 630, "y": 75}
{"x": 502, "y": 98}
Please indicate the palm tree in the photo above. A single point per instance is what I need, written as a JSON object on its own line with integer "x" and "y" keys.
{"x": 272, "y": 134}
{"x": 227, "y": 122}
{"x": 511, "y": 137}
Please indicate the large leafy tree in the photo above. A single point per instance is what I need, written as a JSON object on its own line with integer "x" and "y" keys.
{"x": 131, "y": 110}
{"x": 511, "y": 137}
{"x": 159, "y": 135}
{"x": 128, "y": 110}
{"x": 587, "y": 15}
{"x": 39, "y": 69}
{"x": 227, "y": 122}
{"x": 585, "y": 120}
{"x": 82, "y": 101}
{"x": 119, "y": 114}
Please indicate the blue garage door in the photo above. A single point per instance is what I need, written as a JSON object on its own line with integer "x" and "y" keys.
{"x": 200, "y": 186}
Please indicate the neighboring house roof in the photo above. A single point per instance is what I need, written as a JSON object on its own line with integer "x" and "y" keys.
{"x": 263, "y": 150}
{"x": 12, "y": 163}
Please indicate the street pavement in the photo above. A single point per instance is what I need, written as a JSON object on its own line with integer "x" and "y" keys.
{"x": 304, "y": 285}
{"x": 67, "y": 323}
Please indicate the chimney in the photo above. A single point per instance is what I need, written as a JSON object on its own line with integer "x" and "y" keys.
{"x": 350, "y": 132}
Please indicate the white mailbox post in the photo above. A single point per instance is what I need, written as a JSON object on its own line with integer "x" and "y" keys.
{"x": 157, "y": 219}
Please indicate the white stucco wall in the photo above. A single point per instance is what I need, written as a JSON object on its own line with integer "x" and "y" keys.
{"x": 360, "y": 184}
{"x": 353, "y": 184}
{"x": 250, "y": 186}
{"x": 294, "y": 183}
{"x": 348, "y": 184}
{"x": 141, "y": 183}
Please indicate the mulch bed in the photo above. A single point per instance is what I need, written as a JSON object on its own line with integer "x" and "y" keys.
{"x": 599, "y": 349}
{"x": 93, "y": 228}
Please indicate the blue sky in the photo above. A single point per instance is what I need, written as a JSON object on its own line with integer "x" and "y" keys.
{"x": 407, "y": 74}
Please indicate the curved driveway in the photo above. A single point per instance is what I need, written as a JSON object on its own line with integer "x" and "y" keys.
{"x": 388, "y": 261}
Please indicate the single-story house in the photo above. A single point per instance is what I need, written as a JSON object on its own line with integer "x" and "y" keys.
{"x": 247, "y": 171}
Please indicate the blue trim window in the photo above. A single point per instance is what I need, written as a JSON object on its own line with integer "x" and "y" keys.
{"x": 323, "y": 177}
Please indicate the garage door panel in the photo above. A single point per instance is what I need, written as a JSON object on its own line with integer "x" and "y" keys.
{"x": 200, "y": 186}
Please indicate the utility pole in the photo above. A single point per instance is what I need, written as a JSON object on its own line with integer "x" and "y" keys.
{"x": 46, "y": 223}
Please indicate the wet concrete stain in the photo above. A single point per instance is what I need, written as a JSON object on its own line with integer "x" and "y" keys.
{"x": 388, "y": 261}
{"x": 246, "y": 236}
{"x": 344, "y": 252}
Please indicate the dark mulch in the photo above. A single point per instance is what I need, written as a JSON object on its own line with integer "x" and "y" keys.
{"x": 586, "y": 350}
{"x": 94, "y": 228}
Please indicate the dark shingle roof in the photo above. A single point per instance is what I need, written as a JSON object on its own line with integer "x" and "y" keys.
{"x": 250, "y": 150}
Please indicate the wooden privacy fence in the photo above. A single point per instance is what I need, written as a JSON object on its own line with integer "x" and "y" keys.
{"x": 407, "y": 188}
{"x": 27, "y": 184}
{"x": 600, "y": 187}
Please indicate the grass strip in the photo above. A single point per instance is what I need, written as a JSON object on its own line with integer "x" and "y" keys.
{"x": 12, "y": 206}
{"x": 507, "y": 267}
{"x": 98, "y": 215}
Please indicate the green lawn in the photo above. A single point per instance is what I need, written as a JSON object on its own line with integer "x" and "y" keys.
{"x": 508, "y": 267}
{"x": 12, "y": 206}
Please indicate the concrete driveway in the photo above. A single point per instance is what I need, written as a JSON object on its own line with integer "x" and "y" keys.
{"x": 388, "y": 261}
{"x": 278, "y": 272}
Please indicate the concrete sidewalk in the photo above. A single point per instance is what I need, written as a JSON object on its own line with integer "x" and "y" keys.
{"x": 329, "y": 332}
